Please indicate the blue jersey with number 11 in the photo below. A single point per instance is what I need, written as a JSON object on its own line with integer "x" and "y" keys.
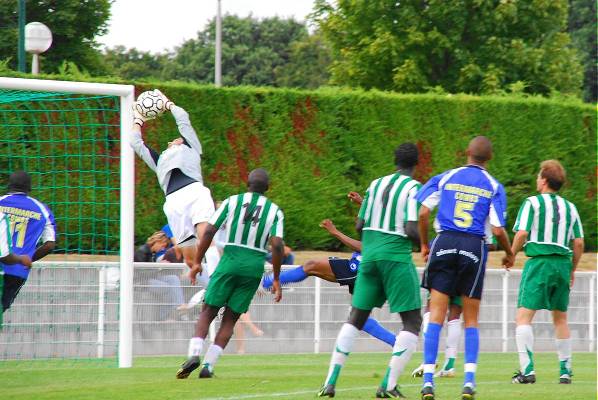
{"x": 31, "y": 221}
{"x": 467, "y": 198}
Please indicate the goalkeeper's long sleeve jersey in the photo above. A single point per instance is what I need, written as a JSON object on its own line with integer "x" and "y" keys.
{"x": 186, "y": 157}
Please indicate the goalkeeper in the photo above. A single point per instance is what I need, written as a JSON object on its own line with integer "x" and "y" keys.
{"x": 189, "y": 203}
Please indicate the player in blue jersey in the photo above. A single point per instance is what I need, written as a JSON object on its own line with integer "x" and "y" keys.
{"x": 467, "y": 198}
{"x": 31, "y": 222}
{"x": 340, "y": 270}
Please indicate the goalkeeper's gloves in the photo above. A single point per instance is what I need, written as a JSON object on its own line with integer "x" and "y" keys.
{"x": 167, "y": 103}
{"x": 138, "y": 118}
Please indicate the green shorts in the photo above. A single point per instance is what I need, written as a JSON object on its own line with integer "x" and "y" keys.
{"x": 231, "y": 290}
{"x": 454, "y": 300}
{"x": 378, "y": 281}
{"x": 545, "y": 283}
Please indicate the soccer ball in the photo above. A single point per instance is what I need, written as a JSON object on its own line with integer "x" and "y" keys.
{"x": 149, "y": 104}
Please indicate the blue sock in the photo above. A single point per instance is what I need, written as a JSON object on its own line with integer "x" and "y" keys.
{"x": 472, "y": 348}
{"x": 374, "y": 328}
{"x": 431, "y": 339}
{"x": 290, "y": 276}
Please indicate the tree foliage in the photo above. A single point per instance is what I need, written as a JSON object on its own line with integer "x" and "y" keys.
{"x": 251, "y": 51}
{"x": 74, "y": 25}
{"x": 133, "y": 64}
{"x": 473, "y": 46}
{"x": 582, "y": 28}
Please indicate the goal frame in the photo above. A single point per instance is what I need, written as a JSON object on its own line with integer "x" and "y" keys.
{"x": 126, "y": 93}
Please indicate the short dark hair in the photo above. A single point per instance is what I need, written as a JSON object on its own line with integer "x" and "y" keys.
{"x": 554, "y": 173}
{"x": 19, "y": 181}
{"x": 406, "y": 155}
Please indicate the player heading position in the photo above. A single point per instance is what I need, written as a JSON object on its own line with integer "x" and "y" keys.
{"x": 251, "y": 221}
{"x": 188, "y": 204}
{"x": 387, "y": 220}
{"x": 467, "y": 197}
{"x": 545, "y": 226}
{"x": 31, "y": 222}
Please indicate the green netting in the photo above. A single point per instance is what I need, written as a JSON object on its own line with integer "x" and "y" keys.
{"x": 70, "y": 145}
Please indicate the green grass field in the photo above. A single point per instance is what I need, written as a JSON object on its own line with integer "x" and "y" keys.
{"x": 281, "y": 377}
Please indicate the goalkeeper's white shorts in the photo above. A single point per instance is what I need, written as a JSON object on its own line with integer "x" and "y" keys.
{"x": 187, "y": 207}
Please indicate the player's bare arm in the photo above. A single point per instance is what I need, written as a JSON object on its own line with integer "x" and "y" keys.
{"x": 344, "y": 239}
{"x": 503, "y": 240}
{"x": 44, "y": 250}
{"x": 277, "y": 254}
{"x": 12, "y": 258}
{"x": 355, "y": 197}
{"x": 423, "y": 225}
{"x": 578, "y": 247}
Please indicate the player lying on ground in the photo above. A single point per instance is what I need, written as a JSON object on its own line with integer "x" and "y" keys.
{"x": 188, "y": 204}
{"x": 332, "y": 269}
{"x": 467, "y": 198}
{"x": 31, "y": 223}
{"x": 387, "y": 221}
{"x": 7, "y": 257}
{"x": 545, "y": 227}
{"x": 251, "y": 220}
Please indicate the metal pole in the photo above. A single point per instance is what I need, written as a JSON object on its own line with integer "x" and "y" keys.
{"x": 21, "y": 47}
{"x": 505, "y": 311}
{"x": 35, "y": 64}
{"x": 592, "y": 312}
{"x": 101, "y": 310}
{"x": 127, "y": 224}
{"x": 317, "y": 305}
{"x": 218, "y": 57}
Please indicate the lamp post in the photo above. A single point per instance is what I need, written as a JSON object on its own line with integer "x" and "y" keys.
{"x": 21, "y": 47}
{"x": 218, "y": 57}
{"x": 38, "y": 39}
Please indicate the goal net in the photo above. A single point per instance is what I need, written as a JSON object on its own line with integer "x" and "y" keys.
{"x": 67, "y": 136}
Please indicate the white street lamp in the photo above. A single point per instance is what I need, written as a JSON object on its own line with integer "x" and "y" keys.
{"x": 38, "y": 39}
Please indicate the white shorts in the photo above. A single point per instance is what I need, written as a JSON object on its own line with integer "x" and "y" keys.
{"x": 186, "y": 208}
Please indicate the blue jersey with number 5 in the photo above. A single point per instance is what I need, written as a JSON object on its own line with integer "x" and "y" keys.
{"x": 31, "y": 221}
{"x": 467, "y": 198}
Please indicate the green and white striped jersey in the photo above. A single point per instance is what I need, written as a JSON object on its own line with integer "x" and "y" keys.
{"x": 389, "y": 203}
{"x": 5, "y": 238}
{"x": 250, "y": 218}
{"x": 551, "y": 221}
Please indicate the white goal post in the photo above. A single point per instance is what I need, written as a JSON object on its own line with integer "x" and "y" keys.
{"x": 126, "y": 93}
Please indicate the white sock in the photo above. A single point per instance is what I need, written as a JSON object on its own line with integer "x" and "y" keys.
{"x": 524, "y": 336}
{"x": 195, "y": 347}
{"x": 563, "y": 349}
{"x": 212, "y": 355}
{"x": 401, "y": 354}
{"x": 344, "y": 345}
{"x": 425, "y": 322}
{"x": 453, "y": 334}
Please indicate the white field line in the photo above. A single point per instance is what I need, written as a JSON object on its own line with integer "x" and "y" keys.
{"x": 314, "y": 391}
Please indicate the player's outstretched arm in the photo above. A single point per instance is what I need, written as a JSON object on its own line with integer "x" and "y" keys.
{"x": 344, "y": 239}
{"x": 185, "y": 129}
{"x": 202, "y": 247}
{"x": 277, "y": 253}
{"x": 146, "y": 153}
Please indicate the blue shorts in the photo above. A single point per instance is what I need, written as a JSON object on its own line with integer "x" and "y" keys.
{"x": 456, "y": 265}
{"x": 345, "y": 271}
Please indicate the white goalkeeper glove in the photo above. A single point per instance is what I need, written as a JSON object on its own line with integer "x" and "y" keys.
{"x": 138, "y": 118}
{"x": 167, "y": 103}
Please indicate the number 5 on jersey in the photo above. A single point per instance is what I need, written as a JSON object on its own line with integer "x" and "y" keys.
{"x": 462, "y": 216}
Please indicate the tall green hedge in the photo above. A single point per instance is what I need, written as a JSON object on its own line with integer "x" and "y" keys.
{"x": 319, "y": 145}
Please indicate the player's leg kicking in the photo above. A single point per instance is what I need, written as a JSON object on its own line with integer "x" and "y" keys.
{"x": 342, "y": 271}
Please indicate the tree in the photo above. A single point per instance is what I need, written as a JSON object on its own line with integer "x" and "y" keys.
{"x": 309, "y": 59}
{"x": 74, "y": 25}
{"x": 582, "y": 28}
{"x": 133, "y": 64}
{"x": 251, "y": 51}
{"x": 472, "y": 46}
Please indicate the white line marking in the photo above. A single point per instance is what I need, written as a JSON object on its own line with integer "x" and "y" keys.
{"x": 314, "y": 391}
